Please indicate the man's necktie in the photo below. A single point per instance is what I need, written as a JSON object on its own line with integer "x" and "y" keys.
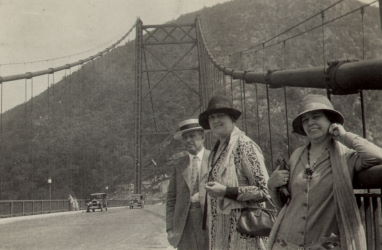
{"x": 194, "y": 175}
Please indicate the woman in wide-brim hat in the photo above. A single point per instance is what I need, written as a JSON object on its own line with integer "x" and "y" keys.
{"x": 321, "y": 212}
{"x": 237, "y": 177}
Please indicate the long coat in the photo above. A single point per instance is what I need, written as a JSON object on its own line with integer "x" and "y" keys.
{"x": 178, "y": 196}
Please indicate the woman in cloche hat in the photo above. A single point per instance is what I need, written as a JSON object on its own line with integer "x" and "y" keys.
{"x": 237, "y": 177}
{"x": 321, "y": 211}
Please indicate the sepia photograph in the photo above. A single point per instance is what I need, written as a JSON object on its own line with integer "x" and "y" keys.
{"x": 191, "y": 124}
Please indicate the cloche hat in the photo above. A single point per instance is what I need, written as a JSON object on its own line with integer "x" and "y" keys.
{"x": 218, "y": 104}
{"x": 313, "y": 103}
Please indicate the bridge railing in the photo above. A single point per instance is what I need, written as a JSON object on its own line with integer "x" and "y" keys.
{"x": 13, "y": 208}
{"x": 10, "y": 208}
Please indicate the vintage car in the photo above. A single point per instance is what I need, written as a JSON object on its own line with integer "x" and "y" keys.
{"x": 136, "y": 201}
{"x": 97, "y": 201}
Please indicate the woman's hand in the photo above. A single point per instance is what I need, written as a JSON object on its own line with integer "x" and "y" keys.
{"x": 215, "y": 189}
{"x": 336, "y": 130}
{"x": 278, "y": 178}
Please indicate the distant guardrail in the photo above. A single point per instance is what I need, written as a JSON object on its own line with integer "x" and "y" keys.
{"x": 12, "y": 208}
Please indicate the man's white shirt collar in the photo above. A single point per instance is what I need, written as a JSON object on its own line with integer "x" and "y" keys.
{"x": 199, "y": 154}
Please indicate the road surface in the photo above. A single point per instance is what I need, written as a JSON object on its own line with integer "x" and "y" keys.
{"x": 119, "y": 228}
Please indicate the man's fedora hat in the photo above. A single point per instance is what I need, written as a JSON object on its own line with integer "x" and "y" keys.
{"x": 314, "y": 103}
{"x": 218, "y": 104}
{"x": 187, "y": 126}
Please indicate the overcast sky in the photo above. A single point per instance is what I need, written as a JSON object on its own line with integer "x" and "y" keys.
{"x": 33, "y": 30}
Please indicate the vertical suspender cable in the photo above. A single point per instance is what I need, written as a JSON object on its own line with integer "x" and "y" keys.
{"x": 242, "y": 104}
{"x": 269, "y": 111}
{"x": 269, "y": 125}
{"x": 244, "y": 108}
{"x": 361, "y": 92}
{"x": 257, "y": 110}
{"x": 323, "y": 50}
{"x": 202, "y": 80}
{"x": 207, "y": 76}
{"x": 242, "y": 96}
{"x": 138, "y": 90}
{"x": 150, "y": 92}
{"x": 286, "y": 100}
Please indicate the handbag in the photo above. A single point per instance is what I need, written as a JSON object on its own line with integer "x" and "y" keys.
{"x": 256, "y": 222}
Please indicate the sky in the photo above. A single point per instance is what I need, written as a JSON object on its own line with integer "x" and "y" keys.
{"x": 32, "y": 30}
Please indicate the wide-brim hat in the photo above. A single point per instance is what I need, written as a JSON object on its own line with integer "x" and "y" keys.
{"x": 218, "y": 104}
{"x": 187, "y": 126}
{"x": 315, "y": 103}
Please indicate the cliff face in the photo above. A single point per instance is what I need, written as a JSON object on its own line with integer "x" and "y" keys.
{"x": 84, "y": 139}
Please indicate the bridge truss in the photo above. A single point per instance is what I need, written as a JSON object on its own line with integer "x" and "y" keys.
{"x": 246, "y": 77}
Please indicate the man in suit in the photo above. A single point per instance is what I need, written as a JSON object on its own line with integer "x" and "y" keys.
{"x": 186, "y": 192}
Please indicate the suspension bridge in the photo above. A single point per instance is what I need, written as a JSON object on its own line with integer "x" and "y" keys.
{"x": 173, "y": 71}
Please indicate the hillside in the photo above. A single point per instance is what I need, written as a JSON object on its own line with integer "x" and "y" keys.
{"x": 81, "y": 132}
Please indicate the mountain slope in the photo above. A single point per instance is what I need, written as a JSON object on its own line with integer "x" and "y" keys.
{"x": 81, "y": 132}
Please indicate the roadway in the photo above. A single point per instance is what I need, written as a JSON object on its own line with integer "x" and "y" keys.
{"x": 118, "y": 228}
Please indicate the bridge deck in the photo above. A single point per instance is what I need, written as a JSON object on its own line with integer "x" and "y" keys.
{"x": 119, "y": 228}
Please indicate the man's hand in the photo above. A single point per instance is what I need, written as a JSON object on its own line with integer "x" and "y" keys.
{"x": 195, "y": 197}
{"x": 215, "y": 189}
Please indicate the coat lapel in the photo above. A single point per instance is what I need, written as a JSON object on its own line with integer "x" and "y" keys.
{"x": 204, "y": 166}
{"x": 186, "y": 173}
{"x": 204, "y": 170}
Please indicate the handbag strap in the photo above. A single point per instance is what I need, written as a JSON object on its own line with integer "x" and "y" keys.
{"x": 270, "y": 202}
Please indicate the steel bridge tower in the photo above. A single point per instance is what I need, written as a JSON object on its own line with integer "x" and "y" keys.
{"x": 163, "y": 52}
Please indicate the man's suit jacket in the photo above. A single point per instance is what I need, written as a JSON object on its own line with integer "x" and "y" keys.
{"x": 178, "y": 196}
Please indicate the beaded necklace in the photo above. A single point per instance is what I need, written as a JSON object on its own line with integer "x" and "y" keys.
{"x": 308, "y": 173}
